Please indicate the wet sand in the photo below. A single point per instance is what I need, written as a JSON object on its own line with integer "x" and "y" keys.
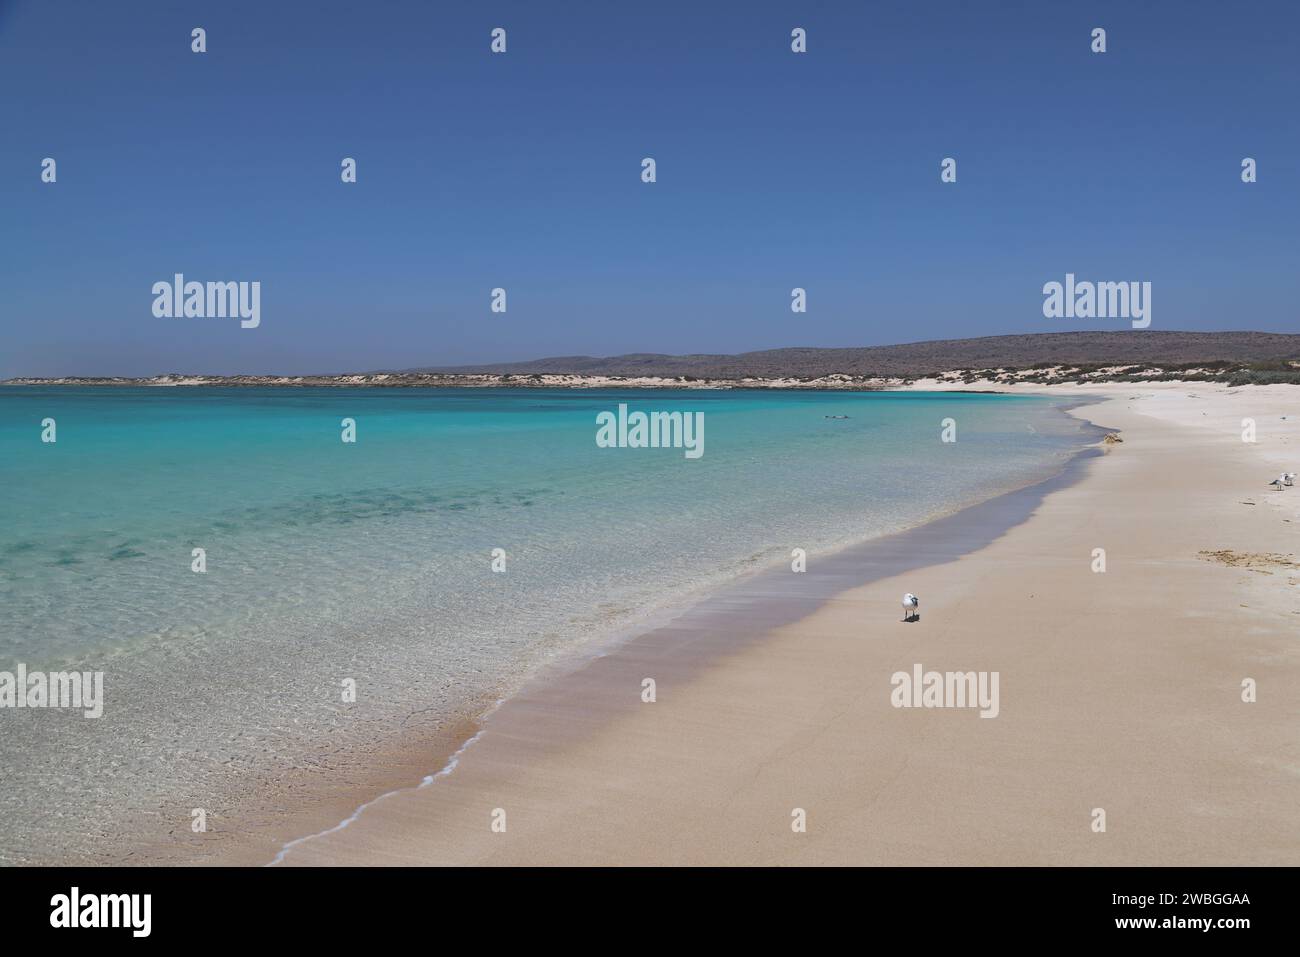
{"x": 1118, "y": 690}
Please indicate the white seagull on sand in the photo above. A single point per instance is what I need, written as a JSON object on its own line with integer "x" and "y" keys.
{"x": 911, "y": 606}
{"x": 1278, "y": 482}
{"x": 1288, "y": 478}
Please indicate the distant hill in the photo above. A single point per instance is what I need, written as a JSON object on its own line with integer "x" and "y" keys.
{"x": 1164, "y": 348}
{"x": 1237, "y": 358}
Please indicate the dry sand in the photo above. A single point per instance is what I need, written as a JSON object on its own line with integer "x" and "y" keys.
{"x": 1120, "y": 690}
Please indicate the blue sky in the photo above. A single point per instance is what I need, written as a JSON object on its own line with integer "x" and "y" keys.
{"x": 522, "y": 170}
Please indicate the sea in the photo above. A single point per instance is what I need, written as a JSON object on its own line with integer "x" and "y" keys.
{"x": 260, "y": 594}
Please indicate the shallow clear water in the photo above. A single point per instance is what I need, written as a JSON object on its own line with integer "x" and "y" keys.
{"x": 373, "y": 560}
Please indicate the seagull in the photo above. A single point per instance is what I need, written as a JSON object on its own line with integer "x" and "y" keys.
{"x": 1288, "y": 478}
{"x": 911, "y": 606}
{"x": 1278, "y": 482}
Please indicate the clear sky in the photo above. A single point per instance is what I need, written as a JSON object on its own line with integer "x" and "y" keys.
{"x": 523, "y": 170}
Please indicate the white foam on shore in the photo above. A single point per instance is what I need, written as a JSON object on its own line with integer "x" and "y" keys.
{"x": 355, "y": 815}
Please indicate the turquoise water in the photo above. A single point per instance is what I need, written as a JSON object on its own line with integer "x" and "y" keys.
{"x": 373, "y": 560}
